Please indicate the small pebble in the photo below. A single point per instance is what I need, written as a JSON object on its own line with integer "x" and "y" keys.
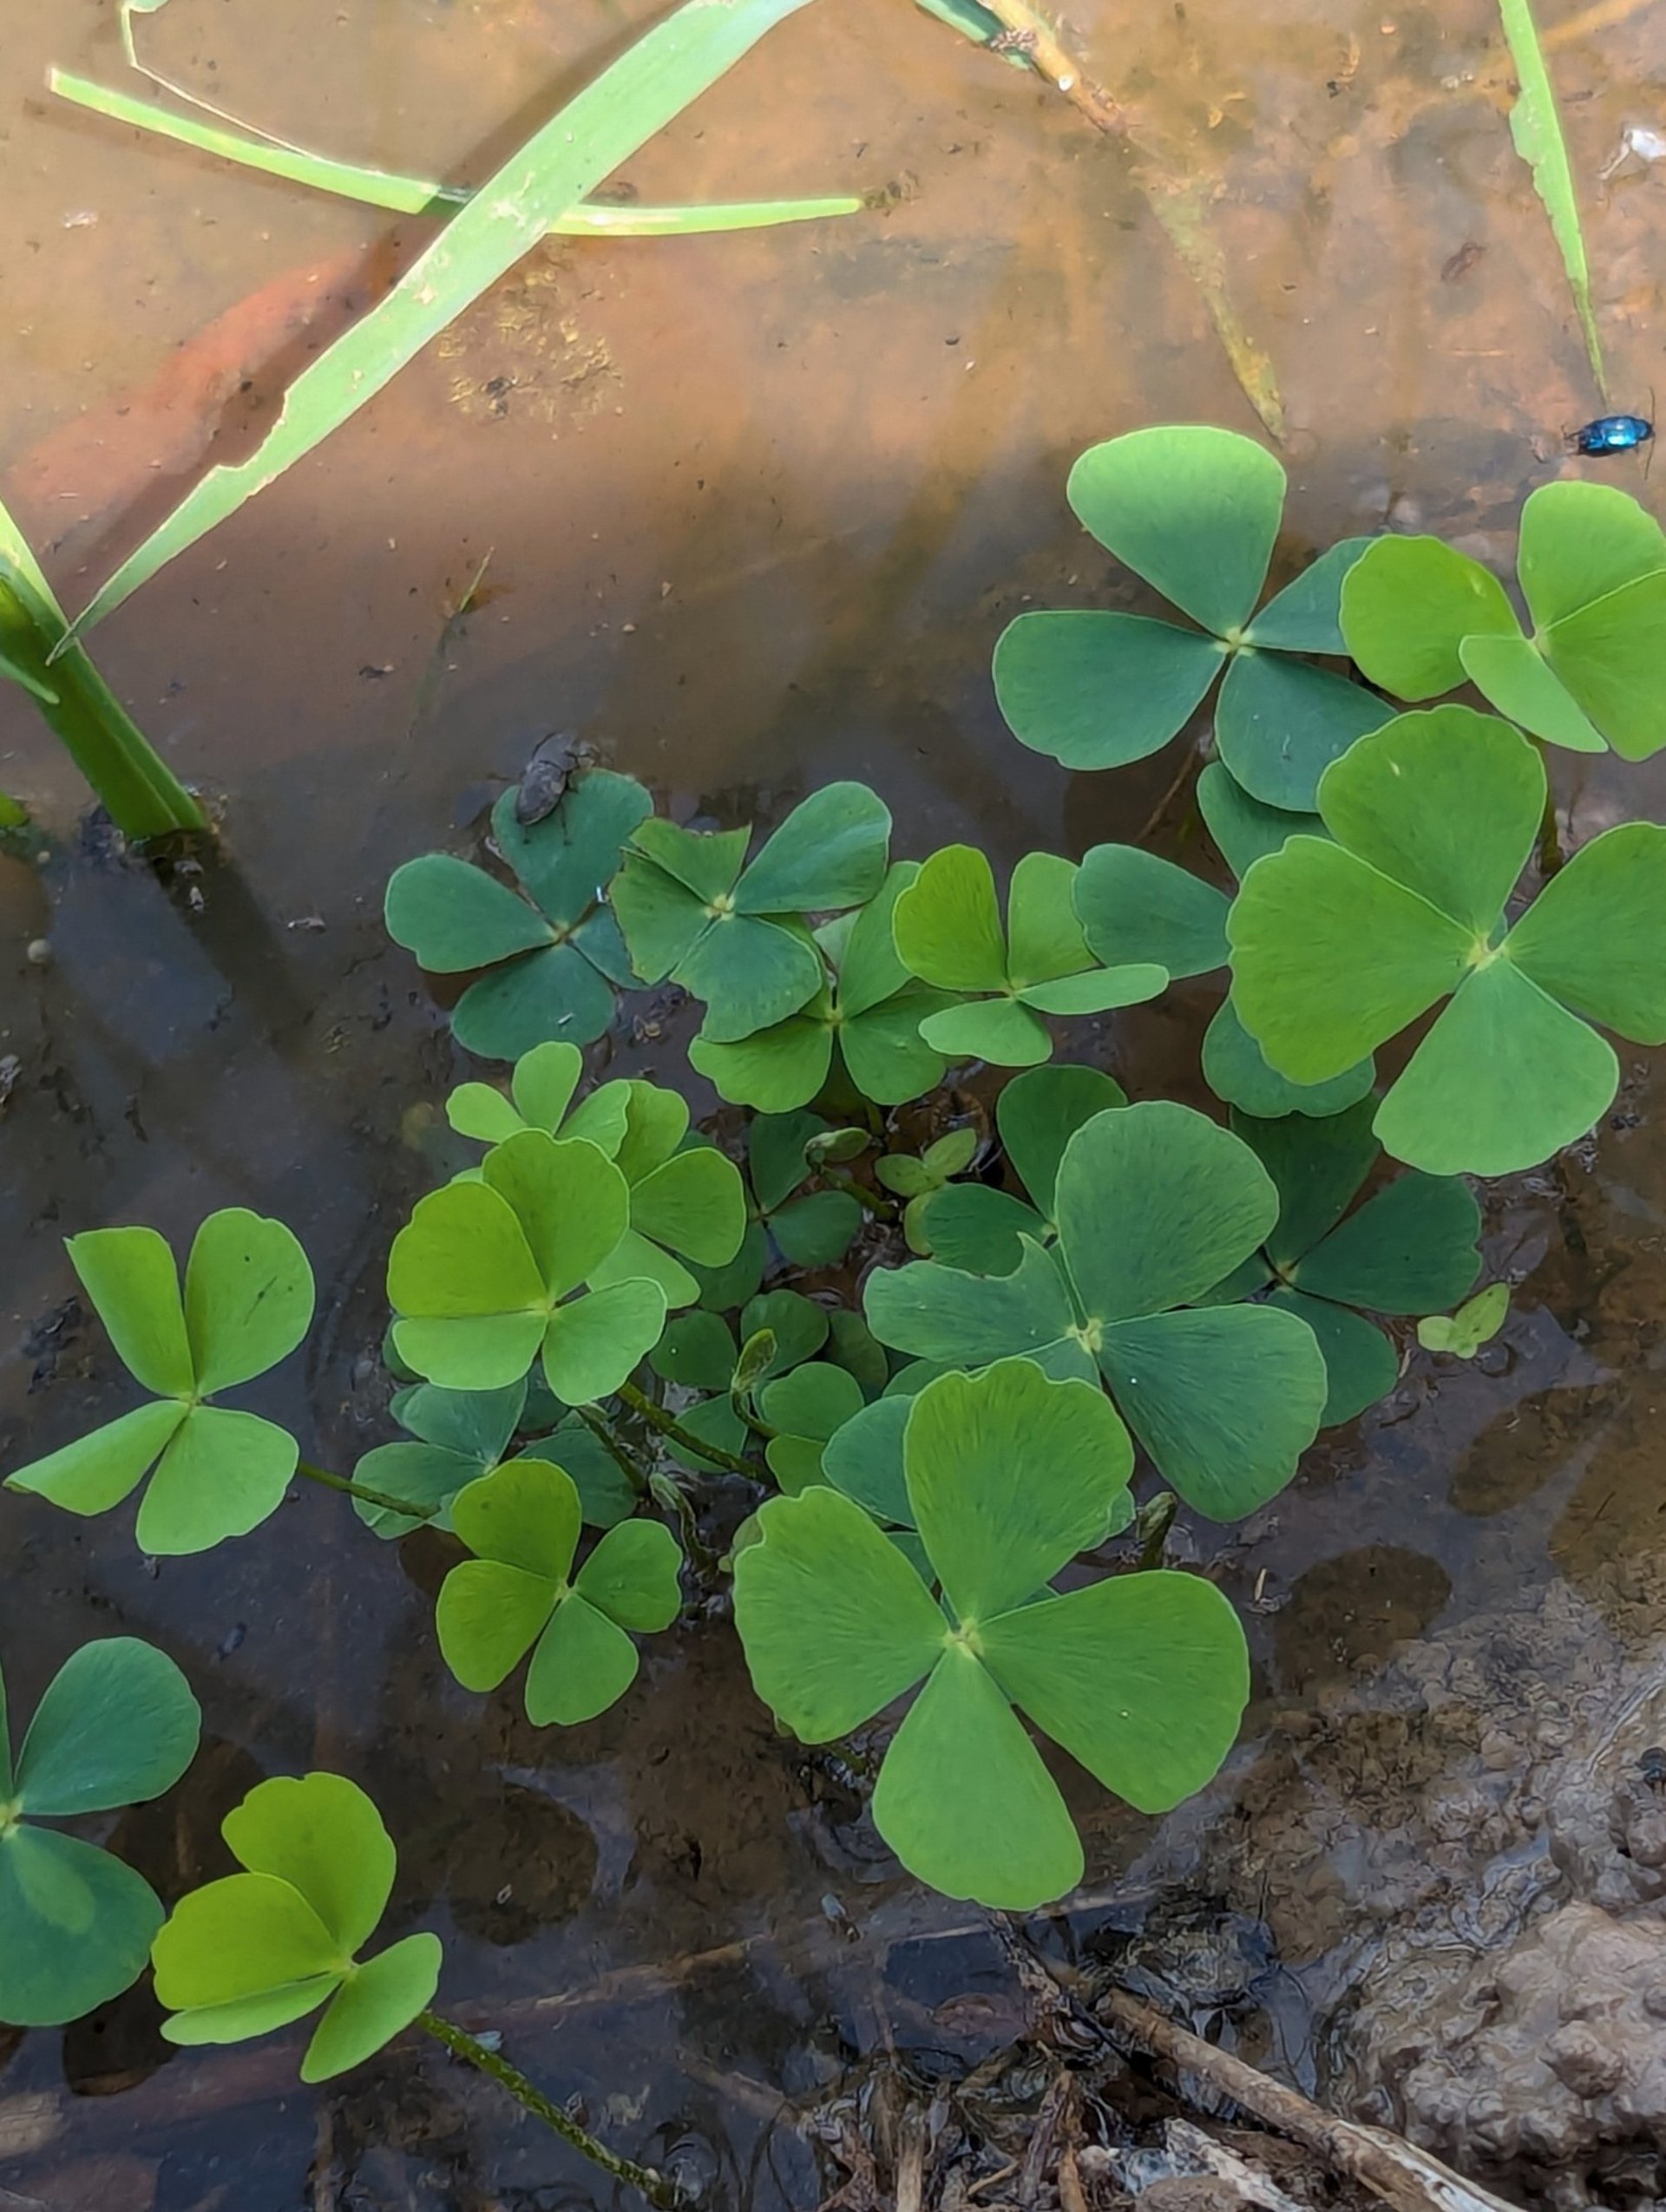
{"x": 38, "y": 953}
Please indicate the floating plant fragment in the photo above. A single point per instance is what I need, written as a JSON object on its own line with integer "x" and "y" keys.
{"x": 1337, "y": 947}
{"x": 117, "y": 1727}
{"x": 247, "y": 1304}
{"x": 948, "y": 932}
{"x": 1141, "y": 1677}
{"x": 256, "y": 1950}
{"x": 1476, "y": 1321}
{"x": 1196, "y": 512}
{"x": 1155, "y": 1205}
{"x": 519, "y": 1594}
{"x": 554, "y": 956}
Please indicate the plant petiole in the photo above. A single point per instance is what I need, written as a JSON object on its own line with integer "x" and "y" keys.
{"x": 601, "y": 1427}
{"x": 362, "y": 1491}
{"x": 672, "y": 1430}
{"x": 654, "y": 2186}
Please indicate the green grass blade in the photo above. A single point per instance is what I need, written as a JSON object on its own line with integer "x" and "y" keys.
{"x": 140, "y": 793}
{"x": 603, "y": 126}
{"x": 419, "y": 196}
{"x": 1537, "y": 129}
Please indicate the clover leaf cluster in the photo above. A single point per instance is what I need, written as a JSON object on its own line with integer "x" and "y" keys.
{"x": 895, "y": 1364}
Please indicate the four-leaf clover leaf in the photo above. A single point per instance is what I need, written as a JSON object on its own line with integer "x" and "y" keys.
{"x": 1141, "y": 1677}
{"x": 685, "y": 1198}
{"x": 1421, "y": 619}
{"x": 1337, "y": 945}
{"x": 117, "y": 1726}
{"x": 947, "y": 931}
{"x": 1411, "y": 1248}
{"x": 1155, "y": 1205}
{"x": 1196, "y": 512}
{"x": 482, "y": 1277}
{"x": 554, "y": 957}
{"x": 259, "y": 1949}
{"x": 731, "y": 934}
{"x": 519, "y": 1594}
{"x": 247, "y": 1304}
{"x": 865, "y": 1017}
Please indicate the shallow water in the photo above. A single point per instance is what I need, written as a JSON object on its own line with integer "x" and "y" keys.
{"x": 753, "y": 510}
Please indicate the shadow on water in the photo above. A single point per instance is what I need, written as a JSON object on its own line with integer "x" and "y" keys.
{"x": 752, "y": 511}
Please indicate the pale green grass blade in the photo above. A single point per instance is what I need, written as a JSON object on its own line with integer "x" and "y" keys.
{"x": 603, "y": 126}
{"x": 418, "y": 196}
{"x": 1537, "y": 129}
{"x": 140, "y": 793}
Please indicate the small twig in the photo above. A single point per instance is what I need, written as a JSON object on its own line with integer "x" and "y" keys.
{"x": 672, "y": 1430}
{"x": 1029, "y": 33}
{"x": 384, "y": 1499}
{"x": 654, "y": 2186}
{"x": 1404, "y": 2177}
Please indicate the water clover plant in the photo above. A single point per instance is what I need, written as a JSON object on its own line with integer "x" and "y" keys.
{"x": 1337, "y": 945}
{"x": 519, "y": 1594}
{"x": 554, "y": 956}
{"x": 685, "y": 1199}
{"x": 1421, "y": 619}
{"x": 780, "y": 1330}
{"x": 948, "y": 932}
{"x": 917, "y": 1178}
{"x": 732, "y": 934}
{"x": 1155, "y": 1205}
{"x": 256, "y": 1950}
{"x": 864, "y": 1020}
{"x": 1159, "y": 912}
{"x": 484, "y": 1277}
{"x": 1196, "y": 512}
{"x": 977, "y": 1228}
{"x": 1141, "y": 1677}
{"x": 214, "y": 1473}
{"x": 805, "y": 1408}
{"x": 455, "y": 1436}
{"x": 1411, "y": 1248}
{"x": 1476, "y": 1321}
{"x": 117, "y": 1726}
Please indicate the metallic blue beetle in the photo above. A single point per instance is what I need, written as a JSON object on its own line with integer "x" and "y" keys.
{"x": 1611, "y": 434}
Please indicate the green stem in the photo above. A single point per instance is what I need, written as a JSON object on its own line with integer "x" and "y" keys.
{"x": 418, "y": 195}
{"x": 140, "y": 793}
{"x": 383, "y": 1499}
{"x": 842, "y": 1179}
{"x": 657, "y": 2189}
{"x": 600, "y": 1427}
{"x": 669, "y": 1426}
{"x": 667, "y": 1491}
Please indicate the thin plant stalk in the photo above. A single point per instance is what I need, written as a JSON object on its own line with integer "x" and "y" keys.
{"x": 139, "y": 792}
{"x": 657, "y": 2190}
{"x": 673, "y": 1431}
{"x": 649, "y": 85}
{"x": 601, "y": 1427}
{"x": 382, "y": 1499}
{"x": 420, "y": 196}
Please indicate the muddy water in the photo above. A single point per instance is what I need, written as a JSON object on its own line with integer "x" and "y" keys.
{"x": 752, "y": 511}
